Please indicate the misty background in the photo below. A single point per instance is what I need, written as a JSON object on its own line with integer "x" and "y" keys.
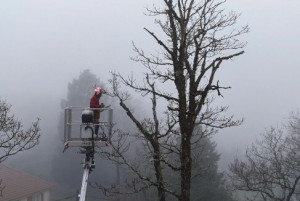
{"x": 44, "y": 45}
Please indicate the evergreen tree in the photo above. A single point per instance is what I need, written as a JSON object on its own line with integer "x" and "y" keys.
{"x": 208, "y": 183}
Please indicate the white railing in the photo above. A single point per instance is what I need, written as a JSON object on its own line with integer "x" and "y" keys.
{"x": 76, "y": 132}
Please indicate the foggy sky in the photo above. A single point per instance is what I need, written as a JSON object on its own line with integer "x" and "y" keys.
{"x": 45, "y": 44}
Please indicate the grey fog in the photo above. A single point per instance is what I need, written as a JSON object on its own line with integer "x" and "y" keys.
{"x": 45, "y": 44}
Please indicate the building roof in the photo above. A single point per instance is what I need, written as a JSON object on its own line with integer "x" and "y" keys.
{"x": 19, "y": 184}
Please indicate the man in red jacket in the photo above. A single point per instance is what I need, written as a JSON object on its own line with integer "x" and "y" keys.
{"x": 94, "y": 103}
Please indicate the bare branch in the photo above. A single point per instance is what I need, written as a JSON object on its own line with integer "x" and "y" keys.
{"x": 13, "y": 139}
{"x": 271, "y": 167}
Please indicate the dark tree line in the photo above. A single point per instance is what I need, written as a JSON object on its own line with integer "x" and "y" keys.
{"x": 67, "y": 169}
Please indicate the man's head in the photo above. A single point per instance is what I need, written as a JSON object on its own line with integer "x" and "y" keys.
{"x": 98, "y": 92}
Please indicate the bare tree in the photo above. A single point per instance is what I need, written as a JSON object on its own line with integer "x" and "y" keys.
{"x": 271, "y": 170}
{"x": 196, "y": 38}
{"x": 13, "y": 139}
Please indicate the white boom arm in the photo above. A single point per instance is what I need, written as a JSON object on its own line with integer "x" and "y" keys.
{"x": 84, "y": 184}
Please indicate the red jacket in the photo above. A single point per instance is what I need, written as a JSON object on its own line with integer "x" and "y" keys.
{"x": 94, "y": 103}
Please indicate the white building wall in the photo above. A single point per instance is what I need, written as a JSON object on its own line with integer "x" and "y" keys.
{"x": 46, "y": 196}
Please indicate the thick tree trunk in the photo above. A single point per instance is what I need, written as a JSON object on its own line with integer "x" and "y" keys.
{"x": 186, "y": 167}
{"x": 186, "y": 133}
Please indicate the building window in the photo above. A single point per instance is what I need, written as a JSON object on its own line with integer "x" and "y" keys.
{"x": 37, "y": 197}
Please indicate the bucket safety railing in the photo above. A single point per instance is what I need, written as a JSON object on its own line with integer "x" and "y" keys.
{"x": 75, "y": 132}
